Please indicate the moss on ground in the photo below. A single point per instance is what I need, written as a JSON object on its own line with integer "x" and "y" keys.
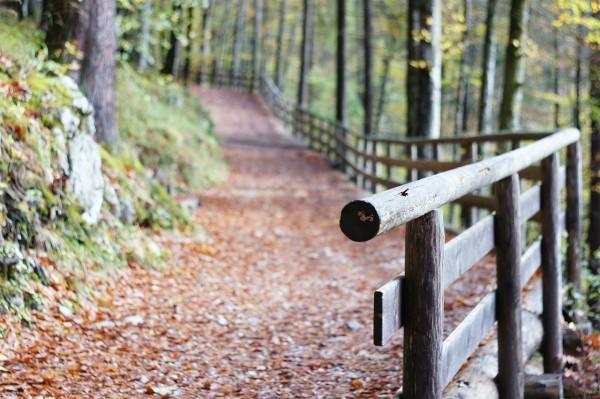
{"x": 166, "y": 144}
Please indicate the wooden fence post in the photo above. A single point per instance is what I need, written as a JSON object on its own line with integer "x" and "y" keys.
{"x": 467, "y": 213}
{"x": 508, "y": 302}
{"x": 573, "y": 223}
{"x": 423, "y": 329}
{"x": 551, "y": 274}
{"x": 388, "y": 167}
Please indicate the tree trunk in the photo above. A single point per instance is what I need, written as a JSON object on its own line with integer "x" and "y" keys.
{"x": 461, "y": 117}
{"x": 256, "y": 68}
{"x": 423, "y": 79}
{"x": 368, "y": 52}
{"x": 304, "y": 54}
{"x": 387, "y": 61}
{"x": 172, "y": 60}
{"x": 340, "y": 98}
{"x": 223, "y": 32}
{"x": 514, "y": 65}
{"x": 594, "y": 227}
{"x": 556, "y": 78}
{"x": 486, "y": 96}
{"x": 205, "y": 32}
{"x": 145, "y": 36}
{"x": 238, "y": 37}
{"x": 279, "y": 51}
{"x": 98, "y": 69}
{"x": 187, "y": 63}
{"x": 578, "y": 61}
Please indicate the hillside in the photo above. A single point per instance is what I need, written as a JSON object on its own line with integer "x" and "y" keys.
{"x": 73, "y": 211}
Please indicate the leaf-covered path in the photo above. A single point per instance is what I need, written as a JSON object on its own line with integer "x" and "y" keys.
{"x": 277, "y": 304}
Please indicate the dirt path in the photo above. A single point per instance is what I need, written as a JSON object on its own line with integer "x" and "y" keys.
{"x": 278, "y": 304}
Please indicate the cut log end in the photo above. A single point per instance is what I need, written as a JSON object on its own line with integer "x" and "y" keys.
{"x": 359, "y": 221}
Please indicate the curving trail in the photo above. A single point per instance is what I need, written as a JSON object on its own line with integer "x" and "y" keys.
{"x": 277, "y": 304}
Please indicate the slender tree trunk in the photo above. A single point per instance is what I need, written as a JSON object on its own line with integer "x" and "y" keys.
{"x": 145, "y": 36}
{"x": 289, "y": 53}
{"x": 594, "y": 206}
{"x": 368, "y": 51}
{"x": 256, "y": 68}
{"x": 340, "y": 98}
{"x": 304, "y": 54}
{"x": 172, "y": 60}
{"x": 187, "y": 63}
{"x": 98, "y": 69}
{"x": 223, "y": 32}
{"x": 423, "y": 79}
{"x": 578, "y": 62}
{"x": 514, "y": 66}
{"x": 387, "y": 61}
{"x": 486, "y": 95}
{"x": 556, "y": 78}
{"x": 279, "y": 52}
{"x": 205, "y": 32}
{"x": 238, "y": 37}
{"x": 461, "y": 117}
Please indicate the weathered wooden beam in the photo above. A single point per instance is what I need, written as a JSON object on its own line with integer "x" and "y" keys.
{"x": 508, "y": 295}
{"x": 464, "y": 250}
{"x": 573, "y": 218}
{"x": 364, "y": 219}
{"x": 388, "y": 299}
{"x": 423, "y": 329}
{"x": 387, "y": 316}
{"x": 551, "y": 274}
{"x": 544, "y": 386}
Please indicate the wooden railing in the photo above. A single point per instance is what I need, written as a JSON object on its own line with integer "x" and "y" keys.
{"x": 485, "y": 175}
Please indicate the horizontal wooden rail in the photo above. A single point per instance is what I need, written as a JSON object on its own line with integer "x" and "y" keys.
{"x": 364, "y": 219}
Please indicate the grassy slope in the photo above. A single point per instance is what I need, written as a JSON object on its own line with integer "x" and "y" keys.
{"x": 166, "y": 143}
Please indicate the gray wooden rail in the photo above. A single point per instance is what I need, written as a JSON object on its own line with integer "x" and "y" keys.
{"x": 503, "y": 182}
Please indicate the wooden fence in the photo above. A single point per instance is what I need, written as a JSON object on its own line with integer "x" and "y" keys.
{"x": 485, "y": 176}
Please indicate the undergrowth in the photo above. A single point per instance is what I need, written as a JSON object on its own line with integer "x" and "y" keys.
{"x": 49, "y": 243}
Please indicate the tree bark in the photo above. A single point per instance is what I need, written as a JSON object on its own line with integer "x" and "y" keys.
{"x": 486, "y": 94}
{"x": 238, "y": 37}
{"x": 304, "y": 55}
{"x": 279, "y": 51}
{"x": 187, "y": 63}
{"x": 256, "y": 59}
{"x": 206, "y": 12}
{"x": 387, "y": 61}
{"x": 514, "y": 65}
{"x": 172, "y": 60}
{"x": 145, "y": 36}
{"x": 556, "y": 45}
{"x": 340, "y": 98}
{"x": 368, "y": 71}
{"x": 594, "y": 206}
{"x": 98, "y": 69}
{"x": 462, "y": 98}
{"x": 423, "y": 79}
{"x": 578, "y": 61}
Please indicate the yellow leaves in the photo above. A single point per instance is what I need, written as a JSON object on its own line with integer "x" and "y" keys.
{"x": 516, "y": 43}
{"x": 418, "y": 64}
{"x": 421, "y": 35}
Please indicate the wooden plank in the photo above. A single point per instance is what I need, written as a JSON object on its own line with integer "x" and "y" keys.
{"x": 387, "y": 318}
{"x": 551, "y": 276}
{"x": 423, "y": 329}
{"x": 530, "y": 203}
{"x": 463, "y": 341}
{"x": 464, "y": 250}
{"x": 399, "y": 205}
{"x": 531, "y": 261}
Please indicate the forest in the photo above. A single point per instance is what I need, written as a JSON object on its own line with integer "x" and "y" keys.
{"x": 175, "y": 174}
